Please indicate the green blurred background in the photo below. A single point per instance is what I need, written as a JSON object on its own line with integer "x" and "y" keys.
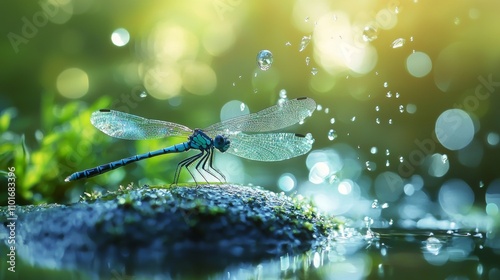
{"x": 382, "y": 72}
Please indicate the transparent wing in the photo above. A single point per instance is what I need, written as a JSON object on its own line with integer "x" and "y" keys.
{"x": 275, "y": 117}
{"x": 269, "y": 146}
{"x": 126, "y": 126}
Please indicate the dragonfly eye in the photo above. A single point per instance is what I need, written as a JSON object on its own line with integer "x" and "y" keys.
{"x": 221, "y": 143}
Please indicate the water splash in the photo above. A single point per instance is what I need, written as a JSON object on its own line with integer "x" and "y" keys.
{"x": 398, "y": 43}
{"x": 332, "y": 134}
{"x": 304, "y": 42}
{"x": 370, "y": 33}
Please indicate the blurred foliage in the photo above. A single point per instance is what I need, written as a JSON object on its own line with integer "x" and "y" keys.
{"x": 40, "y": 168}
{"x": 66, "y": 143}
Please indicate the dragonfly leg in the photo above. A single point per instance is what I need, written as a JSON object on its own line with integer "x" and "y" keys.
{"x": 186, "y": 163}
{"x": 207, "y": 165}
{"x": 203, "y": 163}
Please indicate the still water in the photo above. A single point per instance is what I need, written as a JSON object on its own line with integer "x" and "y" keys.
{"x": 388, "y": 254}
{"x": 350, "y": 253}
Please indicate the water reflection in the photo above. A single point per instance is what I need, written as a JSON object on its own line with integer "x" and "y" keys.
{"x": 393, "y": 254}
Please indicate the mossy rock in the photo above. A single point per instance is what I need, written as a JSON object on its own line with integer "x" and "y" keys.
{"x": 174, "y": 229}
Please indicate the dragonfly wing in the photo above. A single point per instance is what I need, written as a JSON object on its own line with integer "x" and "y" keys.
{"x": 275, "y": 117}
{"x": 269, "y": 146}
{"x": 127, "y": 126}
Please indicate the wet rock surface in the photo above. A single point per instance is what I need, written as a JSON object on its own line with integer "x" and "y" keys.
{"x": 174, "y": 230}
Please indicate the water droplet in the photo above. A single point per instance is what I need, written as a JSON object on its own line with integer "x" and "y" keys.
{"x": 283, "y": 94}
{"x": 373, "y": 150}
{"x": 374, "y": 205}
{"x": 377, "y": 108}
{"x": 390, "y": 121}
{"x": 388, "y": 94}
{"x": 304, "y": 42}
{"x": 314, "y": 71}
{"x": 401, "y": 108}
{"x": 387, "y": 163}
{"x": 319, "y": 107}
{"x": 397, "y": 94}
{"x": 288, "y": 44}
{"x": 377, "y": 120}
{"x": 239, "y": 77}
{"x": 301, "y": 122}
{"x": 333, "y": 179}
{"x": 433, "y": 245}
{"x": 143, "y": 94}
{"x": 327, "y": 110}
{"x": 481, "y": 184}
{"x": 38, "y": 135}
{"x": 411, "y": 39}
{"x": 264, "y": 60}
{"x": 332, "y": 120}
{"x": 353, "y": 118}
{"x": 242, "y": 106}
{"x": 308, "y": 59}
{"x": 370, "y": 33}
{"x": 332, "y": 135}
{"x": 385, "y": 205}
{"x": 391, "y": 222}
{"x": 234, "y": 84}
{"x": 456, "y": 21}
{"x": 310, "y": 138}
{"x": 398, "y": 43}
{"x": 401, "y": 159}
{"x": 387, "y": 152}
{"x": 306, "y": 19}
{"x": 370, "y": 165}
{"x": 386, "y": 84}
{"x": 444, "y": 158}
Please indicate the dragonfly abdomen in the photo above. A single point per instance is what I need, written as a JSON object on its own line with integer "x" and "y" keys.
{"x": 91, "y": 172}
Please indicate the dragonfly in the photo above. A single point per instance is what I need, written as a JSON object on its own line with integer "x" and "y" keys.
{"x": 241, "y": 136}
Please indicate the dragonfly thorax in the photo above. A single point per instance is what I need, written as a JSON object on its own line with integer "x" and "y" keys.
{"x": 221, "y": 143}
{"x": 201, "y": 141}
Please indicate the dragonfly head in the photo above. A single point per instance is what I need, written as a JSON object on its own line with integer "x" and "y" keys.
{"x": 222, "y": 143}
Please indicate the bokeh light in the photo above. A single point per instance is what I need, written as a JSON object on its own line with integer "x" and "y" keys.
{"x": 454, "y": 129}
{"x": 493, "y": 198}
{"x": 73, "y": 83}
{"x": 163, "y": 81}
{"x": 232, "y": 109}
{"x": 120, "y": 37}
{"x": 388, "y": 186}
{"x": 287, "y": 182}
{"x": 456, "y": 197}
{"x": 418, "y": 64}
{"x": 493, "y": 138}
{"x": 438, "y": 165}
{"x": 199, "y": 78}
